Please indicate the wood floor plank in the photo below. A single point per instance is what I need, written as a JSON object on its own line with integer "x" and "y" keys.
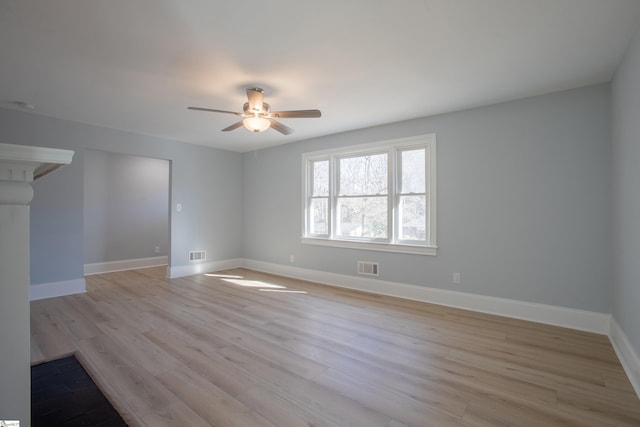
{"x": 609, "y": 407}
{"x": 134, "y": 392}
{"x": 177, "y": 414}
{"x": 209, "y": 401}
{"x": 86, "y": 305}
{"x": 306, "y": 393}
{"x": 240, "y": 347}
{"x": 140, "y": 349}
{"x": 203, "y": 358}
{"x": 426, "y": 389}
{"x": 52, "y": 337}
{"x": 526, "y": 373}
{"x": 281, "y": 411}
{"x": 444, "y": 411}
{"x": 37, "y": 356}
{"x": 494, "y": 411}
{"x": 74, "y": 321}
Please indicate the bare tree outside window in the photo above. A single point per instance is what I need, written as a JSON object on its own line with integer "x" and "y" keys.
{"x": 319, "y": 209}
{"x": 362, "y": 196}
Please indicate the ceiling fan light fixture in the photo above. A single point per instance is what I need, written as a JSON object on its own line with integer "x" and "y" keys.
{"x": 256, "y": 124}
{"x": 258, "y": 117}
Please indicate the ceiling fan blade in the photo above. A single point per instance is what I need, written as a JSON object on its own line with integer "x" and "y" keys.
{"x": 296, "y": 114}
{"x": 255, "y": 96}
{"x": 233, "y": 126}
{"x": 211, "y": 110}
{"x": 285, "y": 130}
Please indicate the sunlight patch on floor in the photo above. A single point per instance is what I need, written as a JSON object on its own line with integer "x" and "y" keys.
{"x": 258, "y": 284}
{"x": 223, "y": 276}
{"x": 253, "y": 283}
{"x": 283, "y": 290}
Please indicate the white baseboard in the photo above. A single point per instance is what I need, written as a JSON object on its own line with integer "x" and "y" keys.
{"x": 626, "y": 353}
{"x": 203, "y": 267}
{"x": 57, "y": 289}
{"x": 126, "y": 264}
{"x": 541, "y": 313}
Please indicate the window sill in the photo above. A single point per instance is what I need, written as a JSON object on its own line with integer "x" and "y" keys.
{"x": 384, "y": 247}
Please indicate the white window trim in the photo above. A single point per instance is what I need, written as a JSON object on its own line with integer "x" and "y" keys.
{"x": 429, "y": 248}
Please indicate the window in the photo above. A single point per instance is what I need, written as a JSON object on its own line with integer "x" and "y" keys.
{"x": 378, "y": 196}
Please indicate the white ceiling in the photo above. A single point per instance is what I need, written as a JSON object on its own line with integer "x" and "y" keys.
{"x": 137, "y": 64}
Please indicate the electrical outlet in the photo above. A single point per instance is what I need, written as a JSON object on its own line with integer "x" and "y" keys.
{"x": 157, "y": 249}
{"x": 456, "y": 278}
{"x": 292, "y": 258}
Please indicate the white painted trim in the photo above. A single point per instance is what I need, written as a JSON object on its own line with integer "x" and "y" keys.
{"x": 541, "y": 313}
{"x": 26, "y": 153}
{"x": 626, "y": 353}
{"x": 126, "y": 264}
{"x": 38, "y": 160}
{"x": 371, "y": 246}
{"x": 203, "y": 267}
{"x": 57, "y": 289}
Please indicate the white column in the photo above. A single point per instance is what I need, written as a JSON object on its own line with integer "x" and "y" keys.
{"x": 18, "y": 166}
{"x": 15, "y": 394}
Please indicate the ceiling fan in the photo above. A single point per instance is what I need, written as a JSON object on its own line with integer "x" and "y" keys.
{"x": 258, "y": 117}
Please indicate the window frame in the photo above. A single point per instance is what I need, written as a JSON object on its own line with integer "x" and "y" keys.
{"x": 309, "y": 197}
{"x": 394, "y": 148}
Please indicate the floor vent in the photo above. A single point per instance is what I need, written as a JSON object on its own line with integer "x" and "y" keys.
{"x": 197, "y": 255}
{"x": 368, "y": 268}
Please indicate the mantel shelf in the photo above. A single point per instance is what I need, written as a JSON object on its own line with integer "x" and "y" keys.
{"x": 38, "y": 161}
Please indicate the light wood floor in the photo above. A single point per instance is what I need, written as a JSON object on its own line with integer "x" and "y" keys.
{"x": 240, "y": 348}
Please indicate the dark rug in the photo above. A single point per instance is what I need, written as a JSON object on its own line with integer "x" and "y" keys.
{"x": 63, "y": 394}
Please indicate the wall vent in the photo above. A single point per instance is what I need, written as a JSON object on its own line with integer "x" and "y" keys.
{"x": 197, "y": 255}
{"x": 368, "y": 268}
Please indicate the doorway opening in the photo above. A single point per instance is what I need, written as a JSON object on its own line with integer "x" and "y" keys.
{"x": 126, "y": 211}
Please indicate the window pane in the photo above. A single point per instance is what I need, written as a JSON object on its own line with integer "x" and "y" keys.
{"x": 320, "y": 178}
{"x": 318, "y": 214}
{"x": 363, "y": 175}
{"x": 362, "y": 217}
{"x": 413, "y": 218}
{"x": 413, "y": 171}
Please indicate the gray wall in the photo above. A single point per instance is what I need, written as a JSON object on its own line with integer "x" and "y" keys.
{"x": 206, "y": 181}
{"x": 626, "y": 181}
{"x": 126, "y": 207}
{"x": 523, "y": 202}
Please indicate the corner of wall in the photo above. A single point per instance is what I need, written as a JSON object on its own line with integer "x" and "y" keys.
{"x": 201, "y": 268}
{"x": 626, "y": 353}
{"x": 127, "y": 264}
{"x": 57, "y": 289}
